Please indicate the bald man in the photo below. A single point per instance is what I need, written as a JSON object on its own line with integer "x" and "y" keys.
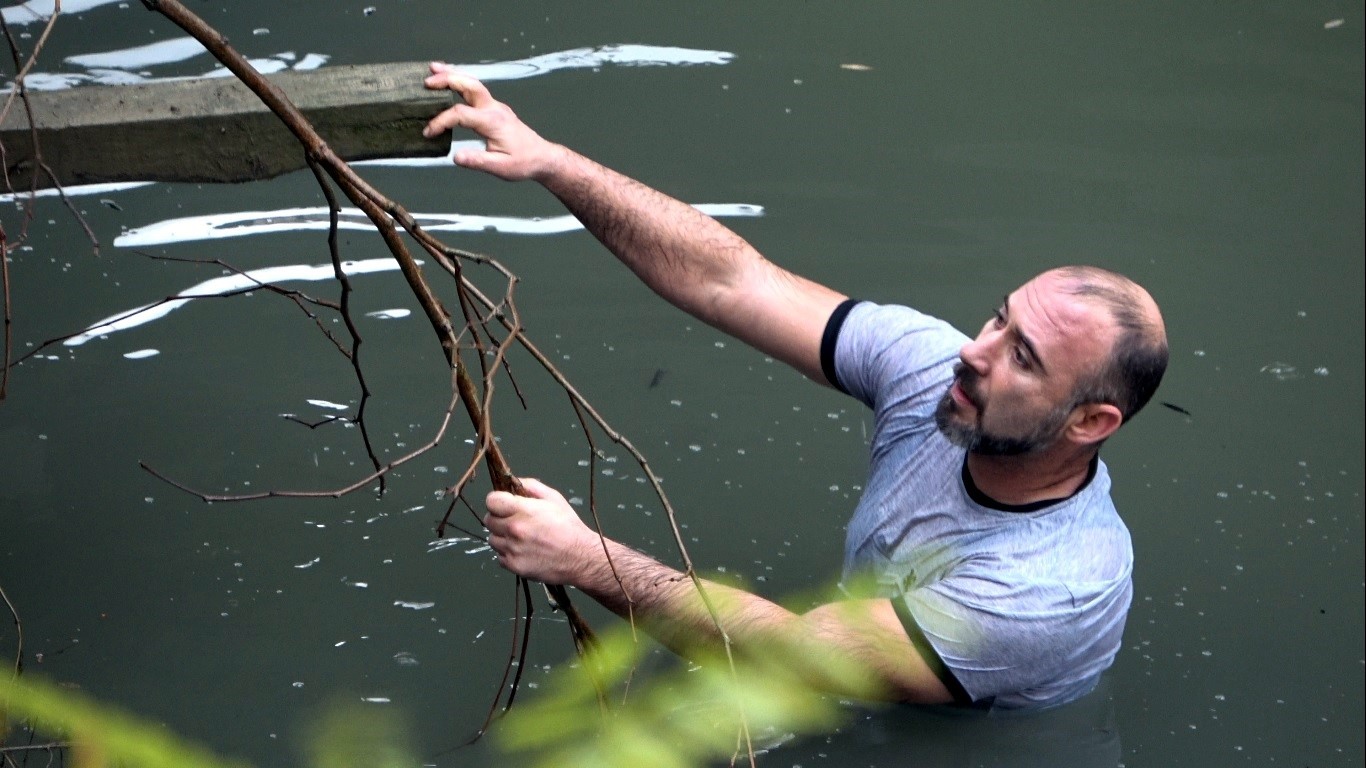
{"x": 1002, "y": 569}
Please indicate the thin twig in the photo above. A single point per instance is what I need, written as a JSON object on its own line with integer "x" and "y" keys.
{"x": 18, "y": 627}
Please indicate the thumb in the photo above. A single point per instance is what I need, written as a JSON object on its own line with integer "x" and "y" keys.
{"x": 479, "y": 160}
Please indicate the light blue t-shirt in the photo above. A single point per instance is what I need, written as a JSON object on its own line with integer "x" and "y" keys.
{"x": 1025, "y": 606}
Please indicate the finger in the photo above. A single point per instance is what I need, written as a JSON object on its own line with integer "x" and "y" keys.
{"x": 501, "y": 504}
{"x": 458, "y": 116}
{"x": 539, "y": 490}
{"x": 479, "y": 160}
{"x": 474, "y": 93}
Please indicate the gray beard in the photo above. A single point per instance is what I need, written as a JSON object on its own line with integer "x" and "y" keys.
{"x": 977, "y": 440}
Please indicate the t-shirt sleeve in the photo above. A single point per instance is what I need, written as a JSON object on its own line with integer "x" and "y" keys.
{"x": 873, "y": 352}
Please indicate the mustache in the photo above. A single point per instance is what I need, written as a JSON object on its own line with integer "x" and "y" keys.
{"x": 968, "y": 381}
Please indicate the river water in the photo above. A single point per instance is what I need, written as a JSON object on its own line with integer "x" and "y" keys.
{"x": 931, "y": 155}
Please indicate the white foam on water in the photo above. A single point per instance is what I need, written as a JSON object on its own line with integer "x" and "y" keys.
{"x": 223, "y": 225}
{"x": 218, "y": 286}
{"x": 150, "y": 55}
{"x": 35, "y": 11}
{"x": 591, "y": 58}
{"x": 77, "y": 191}
{"x": 328, "y": 404}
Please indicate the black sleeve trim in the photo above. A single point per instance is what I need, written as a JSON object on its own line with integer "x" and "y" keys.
{"x": 828, "y": 339}
{"x": 930, "y": 655}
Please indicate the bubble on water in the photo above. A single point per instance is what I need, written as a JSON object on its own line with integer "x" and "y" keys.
{"x": 1222, "y": 494}
{"x": 1280, "y": 371}
{"x": 695, "y": 448}
{"x": 297, "y": 684}
{"x": 1321, "y": 371}
{"x": 405, "y": 659}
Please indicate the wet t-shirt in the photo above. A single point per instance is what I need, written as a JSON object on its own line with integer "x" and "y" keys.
{"x": 1016, "y": 606}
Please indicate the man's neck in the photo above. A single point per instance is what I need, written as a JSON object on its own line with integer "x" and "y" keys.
{"x": 1020, "y": 480}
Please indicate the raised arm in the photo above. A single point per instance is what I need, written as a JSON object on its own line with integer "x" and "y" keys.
{"x": 686, "y": 257}
{"x": 543, "y": 539}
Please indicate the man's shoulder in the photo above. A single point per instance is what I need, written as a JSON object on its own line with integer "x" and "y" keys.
{"x": 896, "y": 321}
{"x": 874, "y": 348}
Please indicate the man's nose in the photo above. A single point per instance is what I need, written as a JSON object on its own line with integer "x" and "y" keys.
{"x": 976, "y": 354}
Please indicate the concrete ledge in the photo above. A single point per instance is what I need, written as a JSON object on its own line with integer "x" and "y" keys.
{"x": 216, "y": 130}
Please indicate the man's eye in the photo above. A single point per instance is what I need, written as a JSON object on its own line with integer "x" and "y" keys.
{"x": 998, "y": 318}
{"x": 1021, "y": 359}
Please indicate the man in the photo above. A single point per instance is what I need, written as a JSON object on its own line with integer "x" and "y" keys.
{"x": 1003, "y": 571}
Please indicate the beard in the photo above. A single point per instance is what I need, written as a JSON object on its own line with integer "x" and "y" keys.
{"x": 976, "y": 438}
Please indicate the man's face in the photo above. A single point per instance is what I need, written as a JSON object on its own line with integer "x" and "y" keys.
{"x": 1012, "y": 394}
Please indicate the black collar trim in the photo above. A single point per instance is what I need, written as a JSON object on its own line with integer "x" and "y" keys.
{"x": 981, "y": 498}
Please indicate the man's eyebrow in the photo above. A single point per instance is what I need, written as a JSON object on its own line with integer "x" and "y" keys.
{"x": 1028, "y": 345}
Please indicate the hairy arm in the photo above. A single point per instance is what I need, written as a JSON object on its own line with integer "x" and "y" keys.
{"x": 541, "y": 537}
{"x": 685, "y": 256}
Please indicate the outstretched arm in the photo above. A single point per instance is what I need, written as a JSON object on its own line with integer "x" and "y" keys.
{"x": 542, "y": 538}
{"x": 686, "y": 257}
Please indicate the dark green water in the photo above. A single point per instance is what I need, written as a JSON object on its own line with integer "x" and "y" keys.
{"x": 1213, "y": 151}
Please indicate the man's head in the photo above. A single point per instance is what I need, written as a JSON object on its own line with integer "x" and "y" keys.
{"x": 1068, "y": 357}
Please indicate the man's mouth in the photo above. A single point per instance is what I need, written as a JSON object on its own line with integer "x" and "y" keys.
{"x": 960, "y": 395}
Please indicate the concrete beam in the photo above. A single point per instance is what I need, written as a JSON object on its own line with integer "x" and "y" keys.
{"x": 216, "y": 130}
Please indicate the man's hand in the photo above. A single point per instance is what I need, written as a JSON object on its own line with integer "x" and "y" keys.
{"x": 540, "y": 537}
{"x": 514, "y": 152}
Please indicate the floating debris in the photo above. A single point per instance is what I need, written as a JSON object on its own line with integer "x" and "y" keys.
{"x": 1334, "y": 24}
{"x": 852, "y": 67}
{"x": 1176, "y": 408}
{"x": 139, "y": 354}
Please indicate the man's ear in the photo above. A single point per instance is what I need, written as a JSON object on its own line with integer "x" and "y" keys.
{"x": 1092, "y": 423}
